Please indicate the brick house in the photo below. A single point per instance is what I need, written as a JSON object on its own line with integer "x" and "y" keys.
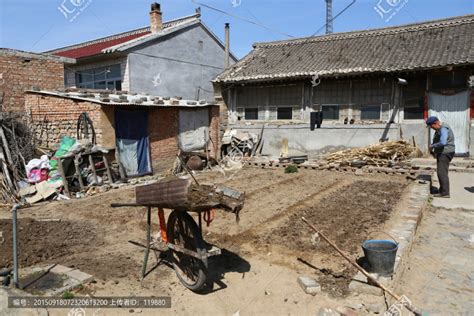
{"x": 21, "y": 71}
{"x": 383, "y": 81}
{"x": 170, "y": 123}
{"x": 174, "y": 58}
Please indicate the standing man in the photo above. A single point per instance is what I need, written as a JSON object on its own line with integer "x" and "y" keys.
{"x": 443, "y": 149}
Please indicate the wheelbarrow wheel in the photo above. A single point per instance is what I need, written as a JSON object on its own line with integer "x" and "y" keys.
{"x": 183, "y": 231}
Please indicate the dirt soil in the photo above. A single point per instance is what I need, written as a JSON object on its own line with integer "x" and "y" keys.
{"x": 40, "y": 241}
{"x": 270, "y": 245}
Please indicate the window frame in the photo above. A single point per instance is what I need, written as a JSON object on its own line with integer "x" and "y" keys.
{"x": 253, "y": 109}
{"x": 284, "y": 107}
{"x": 331, "y": 106}
{"x": 371, "y": 106}
{"x": 96, "y": 76}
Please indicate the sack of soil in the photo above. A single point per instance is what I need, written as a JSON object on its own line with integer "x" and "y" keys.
{"x": 181, "y": 193}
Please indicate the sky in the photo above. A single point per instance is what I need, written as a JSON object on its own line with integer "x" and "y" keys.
{"x": 41, "y": 25}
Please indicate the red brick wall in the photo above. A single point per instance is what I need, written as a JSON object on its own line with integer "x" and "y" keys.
{"x": 53, "y": 117}
{"x": 20, "y": 74}
{"x": 163, "y": 130}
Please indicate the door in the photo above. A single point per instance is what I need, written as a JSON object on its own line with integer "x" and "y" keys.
{"x": 193, "y": 128}
{"x": 454, "y": 110}
{"x": 131, "y": 131}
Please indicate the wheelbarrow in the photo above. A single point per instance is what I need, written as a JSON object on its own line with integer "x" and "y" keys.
{"x": 181, "y": 234}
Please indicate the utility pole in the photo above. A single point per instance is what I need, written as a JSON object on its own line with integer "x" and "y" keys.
{"x": 329, "y": 28}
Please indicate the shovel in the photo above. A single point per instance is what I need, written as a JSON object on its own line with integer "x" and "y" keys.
{"x": 400, "y": 298}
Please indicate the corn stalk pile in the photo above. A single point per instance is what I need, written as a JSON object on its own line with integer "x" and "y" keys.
{"x": 16, "y": 149}
{"x": 384, "y": 154}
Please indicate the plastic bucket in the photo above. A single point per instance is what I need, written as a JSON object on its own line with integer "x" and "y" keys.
{"x": 380, "y": 255}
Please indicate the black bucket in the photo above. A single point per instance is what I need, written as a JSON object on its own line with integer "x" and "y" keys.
{"x": 380, "y": 255}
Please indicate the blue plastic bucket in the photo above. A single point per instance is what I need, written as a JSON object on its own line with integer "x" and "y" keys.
{"x": 380, "y": 255}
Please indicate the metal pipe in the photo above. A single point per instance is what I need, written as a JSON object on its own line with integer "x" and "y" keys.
{"x": 15, "y": 245}
{"x": 227, "y": 45}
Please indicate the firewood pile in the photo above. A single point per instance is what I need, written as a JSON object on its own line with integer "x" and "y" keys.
{"x": 16, "y": 148}
{"x": 383, "y": 154}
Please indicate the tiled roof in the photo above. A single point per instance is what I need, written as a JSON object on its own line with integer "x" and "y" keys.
{"x": 416, "y": 46}
{"x": 95, "y": 47}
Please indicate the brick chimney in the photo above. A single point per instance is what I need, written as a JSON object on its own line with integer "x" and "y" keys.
{"x": 156, "y": 23}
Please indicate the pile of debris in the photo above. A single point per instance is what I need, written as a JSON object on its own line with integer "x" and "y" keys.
{"x": 239, "y": 144}
{"x": 383, "y": 154}
{"x": 16, "y": 147}
{"x": 31, "y": 174}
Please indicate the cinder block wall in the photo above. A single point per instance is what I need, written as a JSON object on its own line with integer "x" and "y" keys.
{"x": 53, "y": 117}
{"x": 18, "y": 74}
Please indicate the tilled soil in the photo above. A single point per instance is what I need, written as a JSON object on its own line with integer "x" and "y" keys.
{"x": 346, "y": 216}
{"x": 43, "y": 241}
{"x": 93, "y": 237}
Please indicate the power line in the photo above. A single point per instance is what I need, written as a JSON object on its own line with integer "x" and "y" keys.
{"x": 243, "y": 19}
{"x": 340, "y": 12}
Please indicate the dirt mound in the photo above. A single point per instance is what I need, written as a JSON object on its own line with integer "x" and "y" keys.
{"x": 42, "y": 241}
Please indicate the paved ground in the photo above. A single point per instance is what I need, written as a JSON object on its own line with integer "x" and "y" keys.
{"x": 462, "y": 192}
{"x": 440, "y": 279}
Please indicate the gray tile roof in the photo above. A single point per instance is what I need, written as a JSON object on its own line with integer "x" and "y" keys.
{"x": 410, "y": 47}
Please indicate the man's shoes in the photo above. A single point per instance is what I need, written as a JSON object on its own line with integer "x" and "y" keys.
{"x": 440, "y": 195}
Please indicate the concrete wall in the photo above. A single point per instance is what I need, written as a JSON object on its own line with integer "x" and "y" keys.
{"x": 177, "y": 65}
{"x": 320, "y": 141}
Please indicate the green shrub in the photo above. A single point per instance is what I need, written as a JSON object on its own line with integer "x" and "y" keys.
{"x": 291, "y": 169}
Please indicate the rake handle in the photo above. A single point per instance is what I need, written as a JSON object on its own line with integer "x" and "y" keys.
{"x": 358, "y": 267}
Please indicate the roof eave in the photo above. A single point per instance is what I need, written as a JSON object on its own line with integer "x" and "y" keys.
{"x": 144, "y": 39}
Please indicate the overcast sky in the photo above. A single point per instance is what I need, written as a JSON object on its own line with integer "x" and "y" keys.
{"x": 39, "y": 25}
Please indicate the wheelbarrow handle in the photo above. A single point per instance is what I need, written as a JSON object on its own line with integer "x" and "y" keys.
{"x": 125, "y": 204}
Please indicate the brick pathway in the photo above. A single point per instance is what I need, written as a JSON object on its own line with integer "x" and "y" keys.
{"x": 440, "y": 275}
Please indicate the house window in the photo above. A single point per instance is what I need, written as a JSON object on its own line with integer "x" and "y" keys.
{"x": 332, "y": 92}
{"x": 284, "y": 113}
{"x": 370, "y": 112}
{"x": 449, "y": 80}
{"x": 251, "y": 114}
{"x": 103, "y": 78}
{"x": 413, "y": 97}
{"x": 330, "y": 112}
{"x": 413, "y": 110}
{"x": 371, "y": 91}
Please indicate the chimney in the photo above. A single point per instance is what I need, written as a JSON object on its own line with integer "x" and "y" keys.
{"x": 156, "y": 24}
{"x": 227, "y": 45}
